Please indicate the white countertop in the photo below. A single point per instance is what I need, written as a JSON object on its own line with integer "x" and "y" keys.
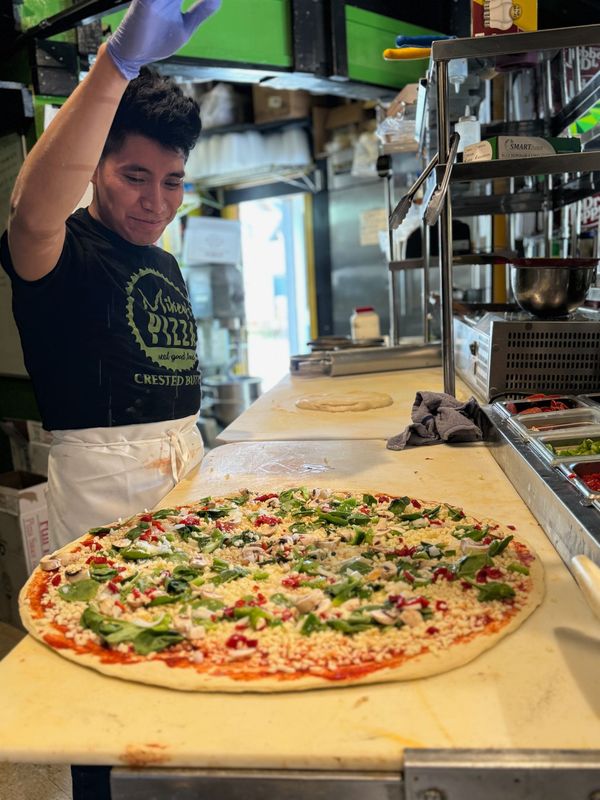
{"x": 538, "y": 688}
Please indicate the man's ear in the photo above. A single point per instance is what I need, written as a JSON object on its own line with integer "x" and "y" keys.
{"x": 94, "y": 177}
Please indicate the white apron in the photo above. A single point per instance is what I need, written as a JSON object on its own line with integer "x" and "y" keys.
{"x": 96, "y": 475}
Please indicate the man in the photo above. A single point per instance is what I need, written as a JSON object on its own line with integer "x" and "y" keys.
{"x": 107, "y": 330}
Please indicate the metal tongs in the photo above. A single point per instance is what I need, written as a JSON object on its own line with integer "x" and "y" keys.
{"x": 434, "y": 207}
{"x": 398, "y": 215}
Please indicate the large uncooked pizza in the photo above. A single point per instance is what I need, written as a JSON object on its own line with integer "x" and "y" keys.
{"x": 297, "y": 589}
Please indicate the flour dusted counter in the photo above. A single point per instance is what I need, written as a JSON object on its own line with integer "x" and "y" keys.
{"x": 275, "y": 416}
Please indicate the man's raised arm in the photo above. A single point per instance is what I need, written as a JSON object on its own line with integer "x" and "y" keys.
{"x": 56, "y": 173}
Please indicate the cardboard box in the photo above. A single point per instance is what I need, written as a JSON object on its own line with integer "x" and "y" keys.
{"x": 271, "y": 105}
{"x": 24, "y": 536}
{"x": 348, "y": 114}
{"x": 511, "y": 147}
{"x": 38, "y": 458}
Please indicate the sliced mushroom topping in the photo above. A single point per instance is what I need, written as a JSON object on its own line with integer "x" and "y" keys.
{"x": 76, "y": 572}
{"x": 208, "y": 592}
{"x": 197, "y": 632}
{"x": 308, "y": 538}
{"x": 384, "y": 617}
{"x": 411, "y": 617}
{"x": 310, "y": 601}
{"x": 121, "y": 543}
{"x": 68, "y": 558}
{"x": 199, "y": 561}
{"x": 203, "y": 613}
{"x": 50, "y": 563}
{"x": 468, "y": 545}
{"x": 252, "y": 553}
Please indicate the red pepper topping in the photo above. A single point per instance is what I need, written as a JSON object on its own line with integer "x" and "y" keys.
{"x": 146, "y": 518}
{"x": 383, "y": 498}
{"x": 56, "y": 580}
{"x": 364, "y": 509}
{"x": 113, "y": 587}
{"x": 408, "y": 577}
{"x": 511, "y": 527}
{"x": 238, "y": 641}
{"x": 120, "y": 604}
{"x": 431, "y": 630}
{"x": 224, "y": 526}
{"x": 416, "y": 503}
{"x": 136, "y": 592}
{"x": 97, "y": 560}
{"x": 292, "y": 581}
{"x": 465, "y": 585}
{"x": 263, "y": 519}
{"x": 443, "y": 572}
{"x": 441, "y": 605}
{"x": 402, "y": 602}
{"x": 487, "y": 540}
{"x": 191, "y": 519}
{"x": 156, "y": 524}
{"x": 260, "y": 599}
{"x": 484, "y": 573}
{"x": 92, "y": 544}
{"x": 405, "y": 551}
{"x": 261, "y": 498}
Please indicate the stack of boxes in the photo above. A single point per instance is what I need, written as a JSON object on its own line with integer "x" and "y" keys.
{"x": 24, "y": 536}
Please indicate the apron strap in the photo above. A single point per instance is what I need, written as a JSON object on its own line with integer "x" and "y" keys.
{"x": 180, "y": 453}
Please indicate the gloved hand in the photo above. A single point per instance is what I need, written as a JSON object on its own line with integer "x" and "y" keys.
{"x": 154, "y": 29}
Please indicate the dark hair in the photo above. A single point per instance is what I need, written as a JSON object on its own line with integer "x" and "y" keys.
{"x": 154, "y": 106}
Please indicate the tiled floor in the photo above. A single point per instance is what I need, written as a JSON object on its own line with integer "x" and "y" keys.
{"x": 30, "y": 781}
{"x": 35, "y": 782}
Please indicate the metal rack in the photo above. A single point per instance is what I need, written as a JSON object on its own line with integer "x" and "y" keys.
{"x": 586, "y": 162}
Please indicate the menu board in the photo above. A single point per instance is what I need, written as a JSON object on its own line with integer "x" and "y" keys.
{"x": 11, "y": 355}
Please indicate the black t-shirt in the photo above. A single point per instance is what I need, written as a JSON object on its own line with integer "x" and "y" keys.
{"x": 108, "y": 335}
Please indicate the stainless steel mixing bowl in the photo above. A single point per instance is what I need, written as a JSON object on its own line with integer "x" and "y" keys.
{"x": 551, "y": 287}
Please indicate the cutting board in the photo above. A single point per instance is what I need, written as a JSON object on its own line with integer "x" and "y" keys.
{"x": 275, "y": 416}
{"x": 538, "y": 688}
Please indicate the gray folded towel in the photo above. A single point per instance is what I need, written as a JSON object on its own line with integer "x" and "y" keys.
{"x": 439, "y": 418}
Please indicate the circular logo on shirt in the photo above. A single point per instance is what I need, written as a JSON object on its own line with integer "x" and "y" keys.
{"x": 161, "y": 320}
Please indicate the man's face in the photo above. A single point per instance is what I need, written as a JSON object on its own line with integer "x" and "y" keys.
{"x": 138, "y": 189}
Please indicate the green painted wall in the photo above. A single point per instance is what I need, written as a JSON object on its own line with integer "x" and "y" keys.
{"x": 257, "y": 32}
{"x": 367, "y": 36}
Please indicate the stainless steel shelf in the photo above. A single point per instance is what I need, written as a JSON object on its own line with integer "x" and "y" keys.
{"x": 522, "y": 202}
{"x": 512, "y": 43}
{"x": 511, "y": 168}
{"x": 468, "y": 259}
